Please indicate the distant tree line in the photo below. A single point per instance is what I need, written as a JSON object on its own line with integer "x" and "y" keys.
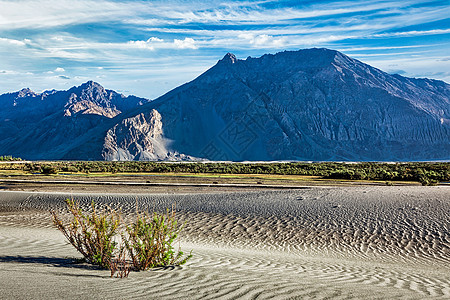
{"x": 9, "y": 158}
{"x": 423, "y": 172}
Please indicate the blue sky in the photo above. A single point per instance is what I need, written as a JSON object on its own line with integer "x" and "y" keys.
{"x": 146, "y": 48}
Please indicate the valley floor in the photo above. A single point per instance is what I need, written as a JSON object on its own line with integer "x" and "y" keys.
{"x": 339, "y": 242}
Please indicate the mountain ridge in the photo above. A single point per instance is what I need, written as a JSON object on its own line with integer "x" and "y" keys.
{"x": 314, "y": 82}
{"x": 311, "y": 104}
{"x": 44, "y": 125}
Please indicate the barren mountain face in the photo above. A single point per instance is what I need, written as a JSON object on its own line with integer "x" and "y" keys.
{"x": 137, "y": 136}
{"x": 314, "y": 104}
{"x": 48, "y": 125}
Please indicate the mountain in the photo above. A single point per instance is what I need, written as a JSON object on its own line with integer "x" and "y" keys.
{"x": 312, "y": 104}
{"x": 47, "y": 125}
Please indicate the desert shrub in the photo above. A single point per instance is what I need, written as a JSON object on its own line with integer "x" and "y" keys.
{"x": 146, "y": 243}
{"x": 425, "y": 180}
{"x": 49, "y": 169}
{"x": 92, "y": 235}
{"x": 149, "y": 241}
{"x": 342, "y": 174}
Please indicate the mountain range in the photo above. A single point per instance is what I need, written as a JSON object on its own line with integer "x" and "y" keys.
{"x": 312, "y": 104}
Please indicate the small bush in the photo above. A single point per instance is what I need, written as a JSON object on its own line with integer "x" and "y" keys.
{"x": 149, "y": 240}
{"x": 146, "y": 243}
{"x": 47, "y": 170}
{"x": 92, "y": 235}
{"x": 426, "y": 181}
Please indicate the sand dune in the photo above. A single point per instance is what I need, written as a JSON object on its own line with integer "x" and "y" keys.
{"x": 336, "y": 242}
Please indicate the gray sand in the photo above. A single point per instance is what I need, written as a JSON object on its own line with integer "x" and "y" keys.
{"x": 338, "y": 242}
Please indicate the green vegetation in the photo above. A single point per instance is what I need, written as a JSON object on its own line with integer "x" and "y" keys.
{"x": 92, "y": 235}
{"x": 426, "y": 173}
{"x": 9, "y": 158}
{"x": 146, "y": 243}
{"x": 48, "y": 170}
{"x": 423, "y": 172}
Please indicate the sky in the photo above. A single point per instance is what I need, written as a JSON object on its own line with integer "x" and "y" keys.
{"x": 147, "y": 48}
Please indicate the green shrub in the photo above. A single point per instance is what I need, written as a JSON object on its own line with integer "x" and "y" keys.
{"x": 49, "y": 169}
{"x": 149, "y": 241}
{"x": 146, "y": 243}
{"x": 425, "y": 180}
{"x": 92, "y": 235}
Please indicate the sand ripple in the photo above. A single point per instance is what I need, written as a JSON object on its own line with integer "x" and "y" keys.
{"x": 371, "y": 242}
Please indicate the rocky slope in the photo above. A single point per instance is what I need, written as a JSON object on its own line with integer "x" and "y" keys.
{"x": 139, "y": 138}
{"x": 49, "y": 124}
{"x": 313, "y": 104}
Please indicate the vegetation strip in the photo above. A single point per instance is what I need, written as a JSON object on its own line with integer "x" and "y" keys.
{"x": 427, "y": 173}
{"x": 234, "y": 185}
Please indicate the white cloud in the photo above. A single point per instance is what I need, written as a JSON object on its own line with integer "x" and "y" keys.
{"x": 8, "y": 72}
{"x": 154, "y": 39}
{"x": 14, "y": 42}
{"x": 141, "y": 45}
{"x": 51, "y": 13}
{"x": 187, "y": 43}
{"x": 148, "y": 44}
{"x": 380, "y": 48}
{"x": 413, "y": 33}
{"x": 252, "y": 13}
{"x": 59, "y": 70}
{"x": 263, "y": 40}
{"x": 157, "y": 43}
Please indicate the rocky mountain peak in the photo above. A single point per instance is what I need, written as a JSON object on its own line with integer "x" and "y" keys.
{"x": 26, "y": 92}
{"x": 92, "y": 98}
{"x": 89, "y": 91}
{"x": 90, "y": 84}
{"x": 316, "y": 58}
{"x": 92, "y": 88}
{"x": 229, "y": 58}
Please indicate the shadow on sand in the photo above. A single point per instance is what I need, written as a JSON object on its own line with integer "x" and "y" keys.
{"x": 50, "y": 261}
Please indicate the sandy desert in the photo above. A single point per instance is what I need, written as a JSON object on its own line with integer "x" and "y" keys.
{"x": 341, "y": 242}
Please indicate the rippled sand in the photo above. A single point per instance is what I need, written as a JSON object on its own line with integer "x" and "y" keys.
{"x": 368, "y": 242}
